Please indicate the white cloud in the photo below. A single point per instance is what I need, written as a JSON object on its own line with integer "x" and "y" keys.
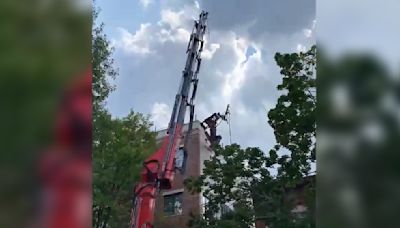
{"x": 160, "y": 115}
{"x": 172, "y": 27}
{"x": 235, "y": 79}
{"x": 232, "y": 72}
{"x": 145, "y": 3}
{"x": 301, "y": 48}
{"x": 138, "y": 43}
{"x": 196, "y": 4}
{"x": 307, "y": 32}
{"x": 181, "y": 35}
{"x": 171, "y": 18}
{"x": 209, "y": 51}
{"x": 178, "y": 35}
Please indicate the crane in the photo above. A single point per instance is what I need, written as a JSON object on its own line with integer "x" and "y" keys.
{"x": 211, "y": 123}
{"x": 159, "y": 169}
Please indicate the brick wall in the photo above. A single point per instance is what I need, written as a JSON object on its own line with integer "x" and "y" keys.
{"x": 190, "y": 203}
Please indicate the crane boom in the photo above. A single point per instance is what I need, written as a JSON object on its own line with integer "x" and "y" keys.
{"x": 159, "y": 169}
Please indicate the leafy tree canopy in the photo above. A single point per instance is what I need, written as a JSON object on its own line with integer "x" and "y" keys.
{"x": 240, "y": 185}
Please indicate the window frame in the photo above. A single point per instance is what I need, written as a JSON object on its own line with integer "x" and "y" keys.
{"x": 176, "y": 197}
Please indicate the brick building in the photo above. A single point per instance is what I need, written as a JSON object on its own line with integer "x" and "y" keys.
{"x": 294, "y": 196}
{"x": 173, "y": 206}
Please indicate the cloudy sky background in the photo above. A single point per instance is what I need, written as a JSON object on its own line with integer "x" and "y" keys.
{"x": 361, "y": 26}
{"x": 150, "y": 39}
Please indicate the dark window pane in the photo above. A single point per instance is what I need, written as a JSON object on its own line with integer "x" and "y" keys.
{"x": 173, "y": 204}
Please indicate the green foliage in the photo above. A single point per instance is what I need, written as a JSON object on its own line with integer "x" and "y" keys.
{"x": 119, "y": 148}
{"x": 241, "y": 177}
{"x": 369, "y": 95}
{"x": 102, "y": 66}
{"x": 44, "y": 47}
{"x": 294, "y": 116}
{"x": 228, "y": 179}
{"x": 120, "y": 145}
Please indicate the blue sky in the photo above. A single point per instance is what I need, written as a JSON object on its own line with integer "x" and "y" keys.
{"x": 150, "y": 39}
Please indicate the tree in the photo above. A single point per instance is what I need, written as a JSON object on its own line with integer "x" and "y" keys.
{"x": 227, "y": 180}
{"x": 102, "y": 66}
{"x": 120, "y": 145}
{"x": 294, "y": 116}
{"x": 120, "y": 148}
{"x": 44, "y": 48}
{"x": 367, "y": 89}
{"x": 242, "y": 179}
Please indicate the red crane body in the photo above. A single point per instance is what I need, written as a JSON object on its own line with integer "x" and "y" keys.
{"x": 159, "y": 169}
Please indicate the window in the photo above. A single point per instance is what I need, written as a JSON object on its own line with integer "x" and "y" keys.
{"x": 180, "y": 158}
{"x": 173, "y": 204}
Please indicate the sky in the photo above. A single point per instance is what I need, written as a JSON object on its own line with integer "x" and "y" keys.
{"x": 238, "y": 68}
{"x": 361, "y": 26}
